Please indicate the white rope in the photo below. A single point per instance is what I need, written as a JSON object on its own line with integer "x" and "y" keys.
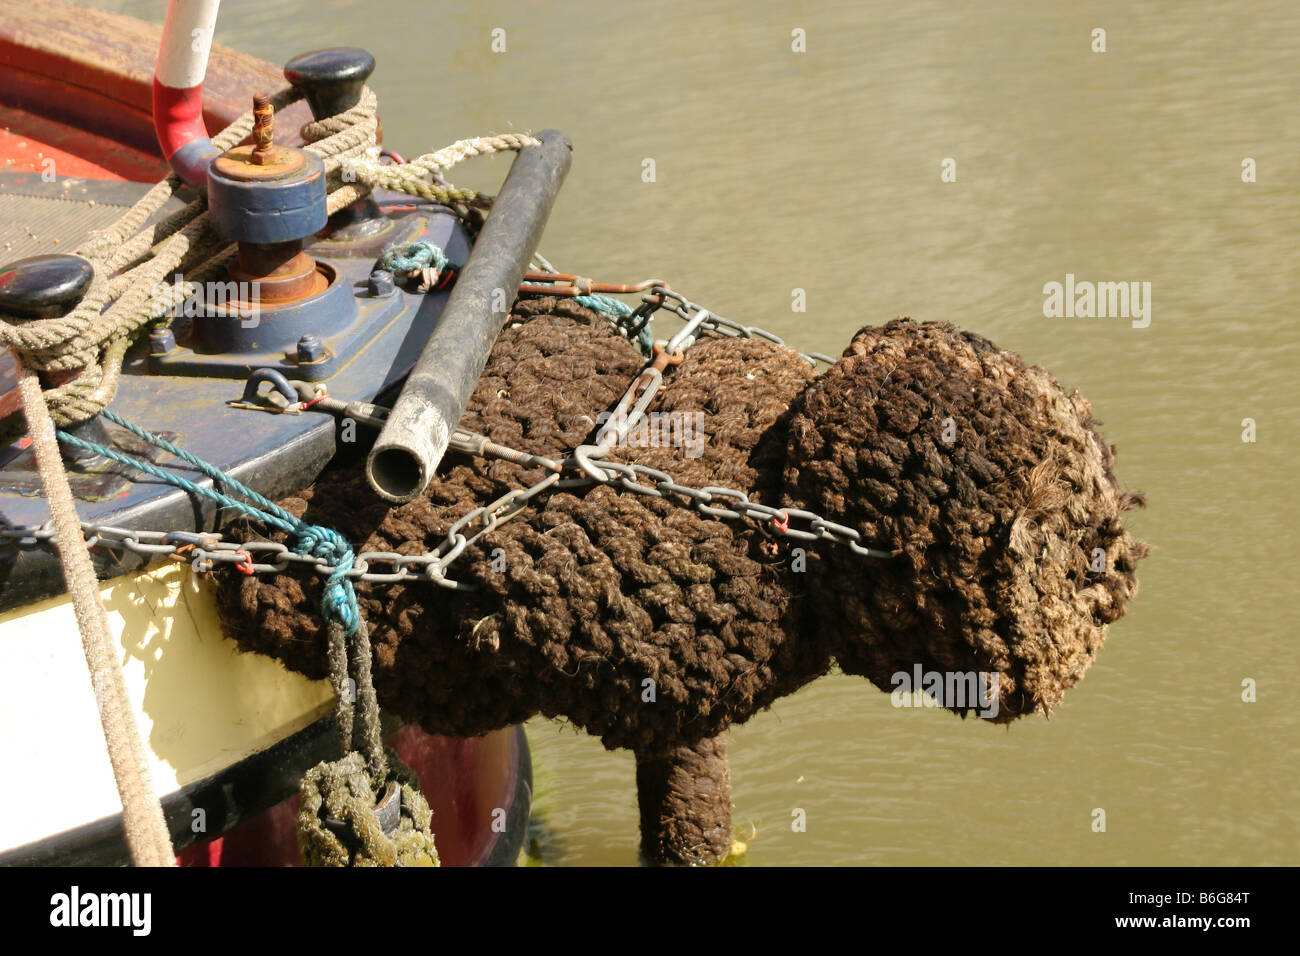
{"x": 132, "y": 259}
{"x": 422, "y": 176}
{"x": 147, "y": 836}
{"x": 461, "y": 150}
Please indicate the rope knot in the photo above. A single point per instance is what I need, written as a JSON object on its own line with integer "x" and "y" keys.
{"x": 340, "y": 598}
{"x": 413, "y": 257}
{"x": 318, "y": 541}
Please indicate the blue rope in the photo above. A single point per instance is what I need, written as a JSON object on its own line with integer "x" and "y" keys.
{"x": 616, "y": 309}
{"x": 413, "y": 257}
{"x": 604, "y": 303}
{"x": 340, "y": 600}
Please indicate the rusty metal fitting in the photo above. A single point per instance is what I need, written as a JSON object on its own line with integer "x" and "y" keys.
{"x": 263, "y": 129}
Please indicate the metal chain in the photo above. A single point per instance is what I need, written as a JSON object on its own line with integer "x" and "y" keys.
{"x": 205, "y": 551}
{"x": 698, "y": 318}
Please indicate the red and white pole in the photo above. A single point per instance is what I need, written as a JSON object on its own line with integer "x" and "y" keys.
{"x": 178, "y": 87}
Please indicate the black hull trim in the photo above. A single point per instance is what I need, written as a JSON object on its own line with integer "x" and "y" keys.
{"x": 244, "y": 790}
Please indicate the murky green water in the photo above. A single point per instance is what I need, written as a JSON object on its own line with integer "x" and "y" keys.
{"x": 778, "y": 170}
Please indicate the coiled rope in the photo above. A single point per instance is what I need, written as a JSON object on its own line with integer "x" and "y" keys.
{"x": 132, "y": 260}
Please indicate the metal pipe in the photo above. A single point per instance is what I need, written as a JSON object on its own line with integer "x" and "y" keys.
{"x": 178, "y": 88}
{"x": 415, "y": 437}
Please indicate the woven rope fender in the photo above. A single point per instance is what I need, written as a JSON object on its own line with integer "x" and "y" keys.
{"x": 654, "y": 626}
{"x": 996, "y": 488}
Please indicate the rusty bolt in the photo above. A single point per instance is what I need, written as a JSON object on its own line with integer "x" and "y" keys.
{"x": 263, "y": 128}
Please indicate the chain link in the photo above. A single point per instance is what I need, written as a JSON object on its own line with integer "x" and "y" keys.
{"x": 698, "y": 318}
{"x": 205, "y": 551}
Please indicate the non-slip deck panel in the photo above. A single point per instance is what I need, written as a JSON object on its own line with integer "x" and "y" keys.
{"x": 41, "y": 218}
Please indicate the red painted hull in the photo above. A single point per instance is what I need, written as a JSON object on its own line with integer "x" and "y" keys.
{"x": 457, "y": 776}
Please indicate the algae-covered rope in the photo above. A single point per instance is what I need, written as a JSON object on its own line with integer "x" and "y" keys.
{"x": 357, "y": 732}
{"x": 146, "y": 831}
{"x": 345, "y": 792}
{"x": 342, "y": 790}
